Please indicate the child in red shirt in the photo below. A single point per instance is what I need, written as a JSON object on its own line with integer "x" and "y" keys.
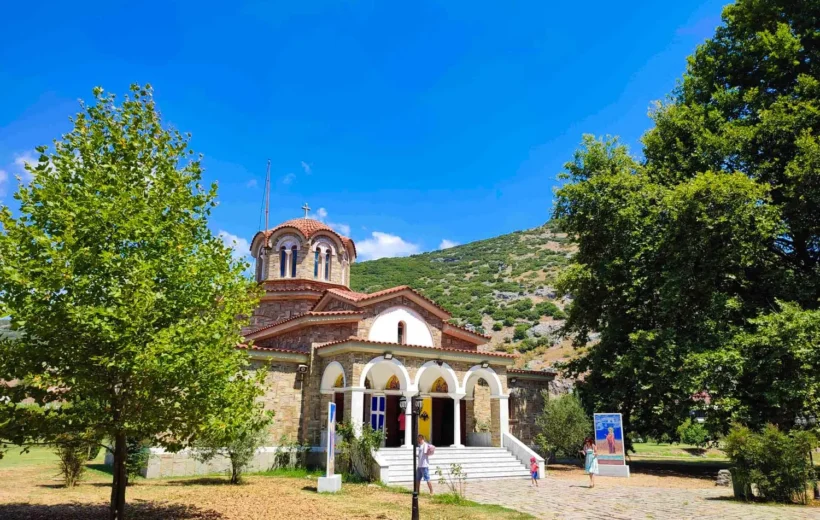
{"x": 534, "y": 471}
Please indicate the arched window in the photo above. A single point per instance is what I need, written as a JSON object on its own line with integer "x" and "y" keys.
{"x": 327, "y": 265}
{"x": 402, "y": 332}
{"x": 316, "y": 264}
{"x": 283, "y": 262}
{"x": 294, "y": 253}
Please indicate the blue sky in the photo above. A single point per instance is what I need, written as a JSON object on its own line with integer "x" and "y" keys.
{"x": 407, "y": 125}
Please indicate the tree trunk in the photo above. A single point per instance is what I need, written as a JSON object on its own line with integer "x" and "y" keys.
{"x": 117, "y": 511}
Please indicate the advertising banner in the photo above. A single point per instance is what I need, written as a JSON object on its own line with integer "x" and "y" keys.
{"x": 331, "y": 439}
{"x": 609, "y": 439}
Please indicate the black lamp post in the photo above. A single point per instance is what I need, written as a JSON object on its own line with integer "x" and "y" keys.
{"x": 414, "y": 413}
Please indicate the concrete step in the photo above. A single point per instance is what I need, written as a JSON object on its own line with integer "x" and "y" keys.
{"x": 476, "y": 463}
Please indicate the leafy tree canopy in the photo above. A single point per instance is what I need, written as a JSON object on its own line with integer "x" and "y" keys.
{"x": 125, "y": 302}
{"x": 693, "y": 260}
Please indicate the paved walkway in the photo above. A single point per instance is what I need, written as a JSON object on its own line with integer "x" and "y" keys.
{"x": 570, "y": 499}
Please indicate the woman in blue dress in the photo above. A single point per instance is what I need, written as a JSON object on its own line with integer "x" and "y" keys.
{"x": 590, "y": 453}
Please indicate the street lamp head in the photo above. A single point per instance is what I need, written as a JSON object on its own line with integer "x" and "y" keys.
{"x": 403, "y": 403}
{"x": 417, "y": 404}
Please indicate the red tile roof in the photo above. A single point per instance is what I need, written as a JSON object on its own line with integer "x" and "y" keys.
{"x": 271, "y": 349}
{"x": 309, "y": 313}
{"x": 437, "y": 349}
{"x": 308, "y": 227}
{"x": 537, "y": 372}
{"x": 465, "y": 329}
{"x": 357, "y": 297}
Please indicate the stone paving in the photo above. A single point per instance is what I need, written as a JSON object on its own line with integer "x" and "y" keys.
{"x": 572, "y": 499}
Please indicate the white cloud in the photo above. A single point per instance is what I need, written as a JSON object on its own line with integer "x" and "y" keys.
{"x": 20, "y": 161}
{"x": 384, "y": 245}
{"x": 321, "y": 216}
{"x": 4, "y": 178}
{"x": 251, "y": 183}
{"x": 287, "y": 179}
{"x": 241, "y": 247}
{"x": 447, "y": 244}
{"x": 306, "y": 167}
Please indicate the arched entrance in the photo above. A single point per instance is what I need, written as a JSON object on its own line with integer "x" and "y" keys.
{"x": 440, "y": 418}
{"x": 486, "y": 406}
{"x": 384, "y": 381}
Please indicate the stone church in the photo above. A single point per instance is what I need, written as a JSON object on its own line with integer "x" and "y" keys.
{"x": 321, "y": 342}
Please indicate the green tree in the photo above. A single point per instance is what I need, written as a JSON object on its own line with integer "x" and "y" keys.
{"x": 238, "y": 430}
{"x": 126, "y": 303}
{"x": 564, "y": 425}
{"x": 693, "y": 433}
{"x": 681, "y": 252}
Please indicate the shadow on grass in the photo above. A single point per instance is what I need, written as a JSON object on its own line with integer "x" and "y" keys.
{"x": 204, "y": 481}
{"x": 102, "y": 468}
{"x": 701, "y": 470}
{"x": 143, "y": 511}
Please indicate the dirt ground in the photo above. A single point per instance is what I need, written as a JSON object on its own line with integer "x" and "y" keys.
{"x": 34, "y": 493}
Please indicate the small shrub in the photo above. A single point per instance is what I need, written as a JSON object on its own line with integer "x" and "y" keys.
{"x": 775, "y": 462}
{"x": 455, "y": 481}
{"x": 521, "y": 331}
{"x": 136, "y": 459}
{"x": 498, "y": 326}
{"x": 291, "y": 454}
{"x": 564, "y": 425}
{"x": 693, "y": 433}
{"x": 357, "y": 452}
{"x": 238, "y": 441}
{"x": 481, "y": 426}
{"x": 74, "y": 450}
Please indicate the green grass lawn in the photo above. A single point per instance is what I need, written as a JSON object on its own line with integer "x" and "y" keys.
{"x": 687, "y": 452}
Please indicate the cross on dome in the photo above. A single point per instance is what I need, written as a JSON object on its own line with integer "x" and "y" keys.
{"x": 307, "y": 209}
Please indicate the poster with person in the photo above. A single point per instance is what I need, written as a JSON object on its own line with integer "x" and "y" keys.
{"x": 609, "y": 439}
{"x": 331, "y": 439}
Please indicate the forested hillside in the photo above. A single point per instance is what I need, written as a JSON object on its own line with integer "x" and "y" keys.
{"x": 501, "y": 286}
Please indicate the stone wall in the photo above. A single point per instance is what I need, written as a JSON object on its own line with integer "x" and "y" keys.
{"x": 283, "y": 396}
{"x": 448, "y": 341}
{"x": 305, "y": 338}
{"x": 305, "y": 261}
{"x": 271, "y": 311}
{"x": 526, "y": 404}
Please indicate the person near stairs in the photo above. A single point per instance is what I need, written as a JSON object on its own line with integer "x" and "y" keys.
{"x": 423, "y": 471}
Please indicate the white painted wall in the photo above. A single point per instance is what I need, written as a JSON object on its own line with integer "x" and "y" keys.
{"x": 386, "y": 324}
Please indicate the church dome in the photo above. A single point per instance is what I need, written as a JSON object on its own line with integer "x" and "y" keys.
{"x": 309, "y": 227}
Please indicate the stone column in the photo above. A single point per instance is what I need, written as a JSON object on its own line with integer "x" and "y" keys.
{"x": 356, "y": 409}
{"x": 457, "y": 420}
{"x": 503, "y": 416}
{"x": 408, "y": 419}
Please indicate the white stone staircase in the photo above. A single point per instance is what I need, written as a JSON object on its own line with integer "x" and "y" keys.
{"x": 396, "y": 464}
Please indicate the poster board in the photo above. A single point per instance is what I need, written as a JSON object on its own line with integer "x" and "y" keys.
{"x": 609, "y": 439}
{"x": 331, "y": 439}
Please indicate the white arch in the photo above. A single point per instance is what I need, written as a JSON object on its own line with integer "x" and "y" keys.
{"x": 385, "y": 327}
{"x": 323, "y": 243}
{"x": 395, "y": 367}
{"x": 487, "y": 374}
{"x": 331, "y": 374}
{"x": 288, "y": 241}
{"x": 444, "y": 371}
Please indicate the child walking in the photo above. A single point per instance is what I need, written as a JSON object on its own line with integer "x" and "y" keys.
{"x": 534, "y": 472}
{"x": 590, "y": 453}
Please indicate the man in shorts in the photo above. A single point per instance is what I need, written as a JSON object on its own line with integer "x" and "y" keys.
{"x": 423, "y": 471}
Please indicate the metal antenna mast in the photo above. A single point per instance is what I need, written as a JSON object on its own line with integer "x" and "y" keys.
{"x": 267, "y": 195}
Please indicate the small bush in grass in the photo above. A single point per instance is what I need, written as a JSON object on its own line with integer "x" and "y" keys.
{"x": 74, "y": 450}
{"x": 456, "y": 480}
{"x": 693, "y": 433}
{"x": 356, "y": 453}
{"x": 136, "y": 459}
{"x": 564, "y": 425}
{"x": 775, "y": 462}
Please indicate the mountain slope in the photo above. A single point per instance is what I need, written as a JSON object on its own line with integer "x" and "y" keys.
{"x": 501, "y": 286}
